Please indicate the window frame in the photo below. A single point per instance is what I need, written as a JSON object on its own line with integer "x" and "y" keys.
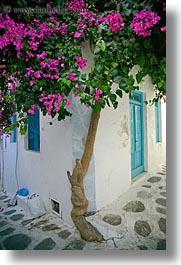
{"x": 158, "y": 134}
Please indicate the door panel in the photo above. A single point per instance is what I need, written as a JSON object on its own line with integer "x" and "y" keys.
{"x": 132, "y": 135}
{"x": 136, "y": 126}
{"x": 138, "y": 145}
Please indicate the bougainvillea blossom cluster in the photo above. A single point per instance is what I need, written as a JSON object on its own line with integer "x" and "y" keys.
{"x": 53, "y": 102}
{"x": 81, "y": 62}
{"x": 14, "y": 33}
{"x": 144, "y": 21}
{"x": 115, "y": 21}
{"x": 98, "y": 93}
{"x": 75, "y": 5}
{"x": 32, "y": 109}
{"x": 50, "y": 59}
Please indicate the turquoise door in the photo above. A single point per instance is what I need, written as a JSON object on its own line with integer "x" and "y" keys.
{"x": 137, "y": 136}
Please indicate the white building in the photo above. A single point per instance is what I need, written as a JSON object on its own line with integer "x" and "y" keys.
{"x": 130, "y": 140}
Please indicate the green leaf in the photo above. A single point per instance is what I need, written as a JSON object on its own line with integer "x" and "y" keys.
{"x": 115, "y": 104}
{"x": 140, "y": 60}
{"x": 119, "y": 93}
{"x": 23, "y": 129}
{"x": 113, "y": 98}
{"x": 108, "y": 103}
{"x": 139, "y": 76}
{"x": 83, "y": 77}
{"x": 102, "y": 103}
{"x": 131, "y": 80}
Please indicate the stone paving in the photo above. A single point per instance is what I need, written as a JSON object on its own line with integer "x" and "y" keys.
{"x": 135, "y": 221}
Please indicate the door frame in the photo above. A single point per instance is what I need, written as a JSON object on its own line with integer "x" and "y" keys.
{"x": 135, "y": 172}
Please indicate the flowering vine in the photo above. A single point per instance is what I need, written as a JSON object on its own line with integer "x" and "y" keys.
{"x": 42, "y": 64}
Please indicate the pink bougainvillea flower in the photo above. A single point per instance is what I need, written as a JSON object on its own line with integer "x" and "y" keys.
{"x": 143, "y": 22}
{"x": 115, "y": 21}
{"x": 72, "y": 77}
{"x": 63, "y": 28}
{"x": 82, "y": 62}
{"x": 163, "y": 28}
{"x": 68, "y": 103}
{"x": 75, "y": 5}
{"x": 42, "y": 55}
{"x": 31, "y": 111}
{"x": 78, "y": 34}
{"x": 98, "y": 92}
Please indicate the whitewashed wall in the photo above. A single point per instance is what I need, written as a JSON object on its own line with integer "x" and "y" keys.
{"x": 112, "y": 153}
{"x": 43, "y": 172}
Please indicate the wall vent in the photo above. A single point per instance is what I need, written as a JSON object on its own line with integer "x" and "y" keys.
{"x": 55, "y": 207}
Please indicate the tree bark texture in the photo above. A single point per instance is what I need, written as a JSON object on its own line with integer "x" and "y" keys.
{"x": 78, "y": 198}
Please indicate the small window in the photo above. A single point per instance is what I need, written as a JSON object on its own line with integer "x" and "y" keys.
{"x": 158, "y": 121}
{"x": 34, "y": 131}
{"x": 55, "y": 207}
{"x": 13, "y": 137}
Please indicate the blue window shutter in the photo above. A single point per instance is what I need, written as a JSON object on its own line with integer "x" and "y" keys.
{"x": 157, "y": 121}
{"x": 34, "y": 131}
{"x": 13, "y": 133}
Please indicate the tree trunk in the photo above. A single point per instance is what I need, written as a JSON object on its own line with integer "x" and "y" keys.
{"x": 78, "y": 198}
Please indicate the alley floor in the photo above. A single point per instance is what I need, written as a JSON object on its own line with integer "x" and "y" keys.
{"x": 135, "y": 221}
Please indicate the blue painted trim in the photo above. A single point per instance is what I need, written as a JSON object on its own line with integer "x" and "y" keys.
{"x": 14, "y": 131}
{"x": 34, "y": 131}
{"x": 157, "y": 121}
{"x": 140, "y": 169}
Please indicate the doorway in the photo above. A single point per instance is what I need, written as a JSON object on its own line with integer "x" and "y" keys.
{"x": 137, "y": 133}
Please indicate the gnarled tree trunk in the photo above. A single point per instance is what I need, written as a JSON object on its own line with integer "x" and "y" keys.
{"x": 78, "y": 198}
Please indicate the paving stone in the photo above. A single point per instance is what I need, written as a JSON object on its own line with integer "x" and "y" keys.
{"x": 17, "y": 242}
{"x": 17, "y": 217}
{"x": 7, "y": 231}
{"x": 142, "y": 228}
{"x": 164, "y": 194}
{"x": 142, "y": 247}
{"x": 3, "y": 223}
{"x": 162, "y": 225}
{"x": 161, "y": 173}
{"x": 146, "y": 186}
{"x": 75, "y": 245}
{"x": 161, "y": 245}
{"x": 3, "y": 197}
{"x": 161, "y": 210}
{"x": 112, "y": 219}
{"x": 154, "y": 179}
{"x": 25, "y": 222}
{"x": 64, "y": 234}
{"x": 9, "y": 212}
{"x": 46, "y": 244}
{"x": 161, "y": 201}
{"x": 50, "y": 227}
{"x": 134, "y": 206}
{"x": 144, "y": 194}
{"x": 7, "y": 201}
{"x": 40, "y": 223}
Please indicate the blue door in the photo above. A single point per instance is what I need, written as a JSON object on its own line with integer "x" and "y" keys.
{"x": 137, "y": 136}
